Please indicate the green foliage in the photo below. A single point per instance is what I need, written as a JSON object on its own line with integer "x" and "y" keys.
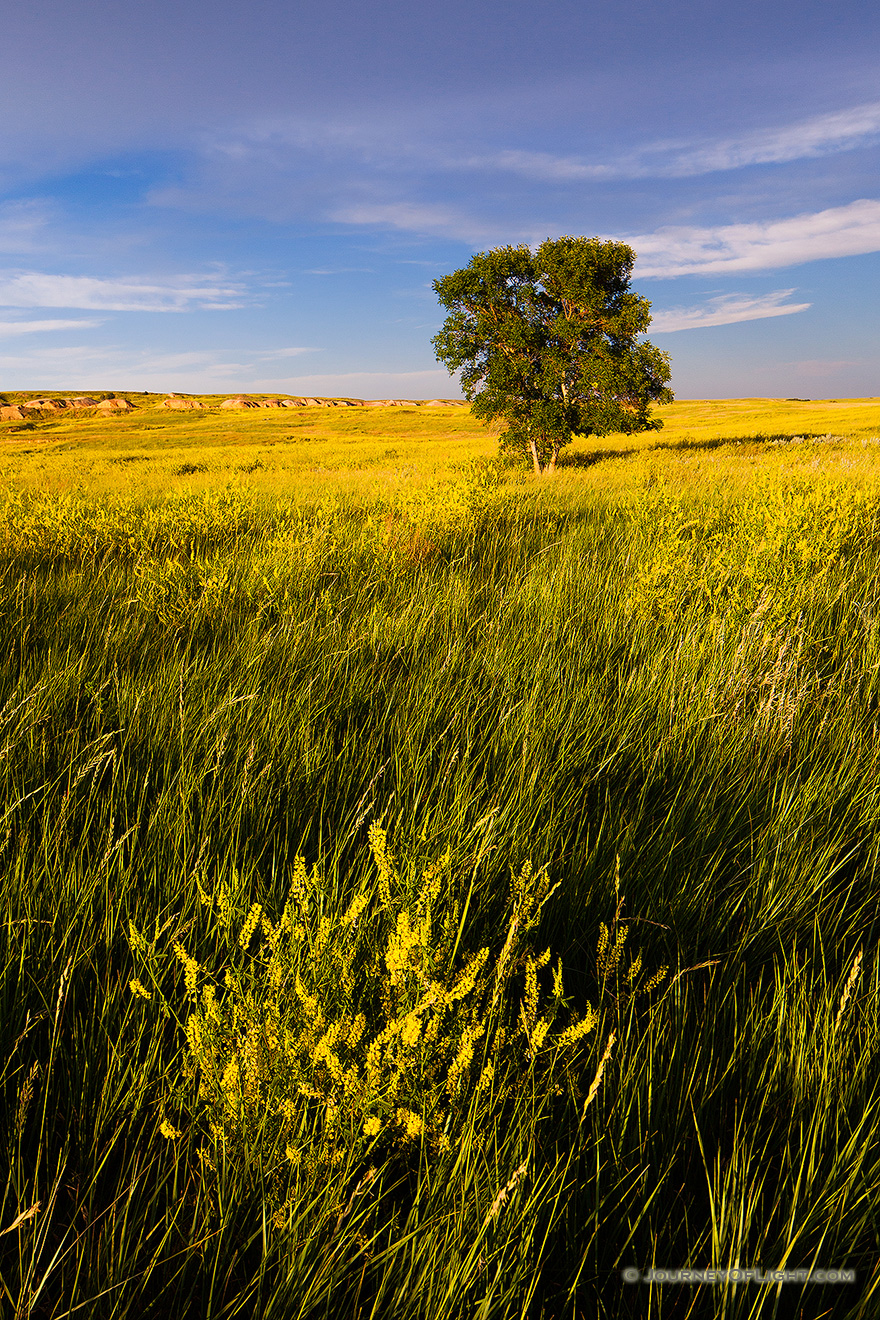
{"x": 548, "y": 341}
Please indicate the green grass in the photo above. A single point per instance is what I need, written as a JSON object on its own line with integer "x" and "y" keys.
{"x": 654, "y": 678}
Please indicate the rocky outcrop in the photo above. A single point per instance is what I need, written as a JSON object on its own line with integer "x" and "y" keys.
{"x": 109, "y": 406}
{"x": 293, "y": 403}
{"x": 239, "y": 401}
{"x": 43, "y": 405}
{"x": 180, "y": 405}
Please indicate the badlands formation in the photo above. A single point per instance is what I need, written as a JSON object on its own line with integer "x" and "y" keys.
{"x": 41, "y": 407}
{"x": 19, "y": 412}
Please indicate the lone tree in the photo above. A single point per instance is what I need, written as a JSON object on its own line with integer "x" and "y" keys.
{"x": 548, "y": 341}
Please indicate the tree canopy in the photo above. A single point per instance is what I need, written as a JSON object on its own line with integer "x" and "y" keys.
{"x": 549, "y": 342}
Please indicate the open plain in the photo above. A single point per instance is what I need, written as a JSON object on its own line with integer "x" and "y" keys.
{"x": 430, "y": 891}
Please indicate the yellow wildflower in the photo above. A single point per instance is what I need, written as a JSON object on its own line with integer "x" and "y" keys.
{"x": 136, "y": 940}
{"x": 578, "y": 1030}
{"x": 191, "y": 968}
{"x": 355, "y": 908}
{"x": 412, "y": 1125}
{"x": 538, "y": 1034}
{"x": 465, "y": 1054}
{"x": 409, "y": 1033}
{"x": 358, "y": 1027}
{"x": 251, "y": 922}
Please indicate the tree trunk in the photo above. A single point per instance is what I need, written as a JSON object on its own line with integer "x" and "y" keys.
{"x": 535, "y": 460}
{"x": 551, "y": 466}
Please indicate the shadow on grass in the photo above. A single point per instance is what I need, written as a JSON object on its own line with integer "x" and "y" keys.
{"x": 586, "y": 460}
{"x": 595, "y": 456}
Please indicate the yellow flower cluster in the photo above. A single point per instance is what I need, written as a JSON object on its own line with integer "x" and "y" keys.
{"x": 337, "y": 1030}
{"x": 66, "y": 524}
{"x": 771, "y": 552}
{"x": 190, "y": 966}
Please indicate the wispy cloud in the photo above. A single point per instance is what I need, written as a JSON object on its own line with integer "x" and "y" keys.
{"x": 118, "y": 367}
{"x": 438, "y": 179}
{"x": 841, "y": 231}
{"x": 670, "y": 251}
{"x": 820, "y": 135}
{"x": 9, "y": 329}
{"x": 271, "y": 354}
{"x": 22, "y": 225}
{"x": 726, "y": 310}
{"x": 279, "y": 144}
{"x": 415, "y": 217}
{"x": 23, "y": 288}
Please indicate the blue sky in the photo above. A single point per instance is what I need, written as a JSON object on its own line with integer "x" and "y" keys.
{"x": 223, "y": 197}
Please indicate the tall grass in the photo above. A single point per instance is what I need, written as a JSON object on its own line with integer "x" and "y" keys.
{"x": 479, "y": 731}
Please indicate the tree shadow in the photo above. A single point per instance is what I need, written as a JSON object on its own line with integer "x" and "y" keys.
{"x": 580, "y": 460}
{"x": 586, "y": 460}
{"x": 759, "y": 438}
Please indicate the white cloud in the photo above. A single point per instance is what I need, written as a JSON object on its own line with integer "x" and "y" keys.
{"x": 820, "y": 135}
{"x": 281, "y": 144}
{"x": 726, "y": 310}
{"x": 23, "y": 288}
{"x": 841, "y": 231}
{"x": 8, "y": 329}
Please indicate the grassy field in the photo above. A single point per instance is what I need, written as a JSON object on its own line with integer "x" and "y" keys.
{"x": 305, "y": 453}
{"x": 429, "y": 891}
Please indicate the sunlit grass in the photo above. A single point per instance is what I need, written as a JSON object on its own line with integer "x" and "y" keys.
{"x": 351, "y": 816}
{"x": 305, "y": 453}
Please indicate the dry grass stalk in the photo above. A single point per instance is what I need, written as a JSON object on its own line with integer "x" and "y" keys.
{"x": 597, "y": 1080}
{"x": 848, "y": 988}
{"x": 361, "y": 1187}
{"x": 24, "y": 1101}
{"x": 498, "y": 1204}
{"x": 22, "y": 1218}
{"x": 62, "y": 985}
